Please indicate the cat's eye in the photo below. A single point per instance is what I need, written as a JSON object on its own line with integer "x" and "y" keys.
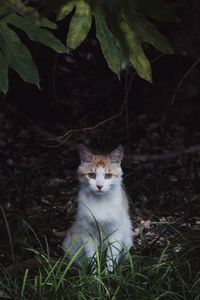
{"x": 108, "y": 175}
{"x": 92, "y": 175}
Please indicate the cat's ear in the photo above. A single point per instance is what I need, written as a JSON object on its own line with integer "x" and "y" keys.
{"x": 116, "y": 155}
{"x": 85, "y": 154}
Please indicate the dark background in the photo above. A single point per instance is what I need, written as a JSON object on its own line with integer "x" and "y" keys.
{"x": 81, "y": 100}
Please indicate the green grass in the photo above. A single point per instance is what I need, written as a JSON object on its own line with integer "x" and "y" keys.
{"x": 165, "y": 273}
{"x": 164, "y": 277}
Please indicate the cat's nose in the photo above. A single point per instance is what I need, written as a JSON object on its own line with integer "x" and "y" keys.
{"x": 99, "y": 187}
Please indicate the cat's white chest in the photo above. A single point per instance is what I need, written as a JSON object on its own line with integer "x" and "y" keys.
{"x": 102, "y": 210}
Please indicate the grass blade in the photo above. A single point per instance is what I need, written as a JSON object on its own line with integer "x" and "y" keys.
{"x": 9, "y": 234}
{"x": 24, "y": 284}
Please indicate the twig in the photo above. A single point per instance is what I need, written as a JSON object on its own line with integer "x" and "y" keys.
{"x": 183, "y": 78}
{"x": 126, "y": 108}
{"x": 63, "y": 138}
{"x": 54, "y": 88}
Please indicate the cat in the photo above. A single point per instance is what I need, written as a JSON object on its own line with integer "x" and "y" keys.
{"x": 102, "y": 203}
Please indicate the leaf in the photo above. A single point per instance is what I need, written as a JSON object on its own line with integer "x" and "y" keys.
{"x": 136, "y": 54}
{"x": 65, "y": 10}
{"x": 3, "y": 12}
{"x": 3, "y": 74}
{"x": 36, "y": 33}
{"x": 10, "y": 7}
{"x": 151, "y": 35}
{"x": 17, "y": 55}
{"x": 79, "y": 25}
{"x": 146, "y": 31}
{"x": 107, "y": 42}
{"x": 44, "y": 22}
{"x": 19, "y": 7}
{"x": 112, "y": 14}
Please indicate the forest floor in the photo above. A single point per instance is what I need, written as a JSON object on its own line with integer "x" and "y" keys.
{"x": 38, "y": 185}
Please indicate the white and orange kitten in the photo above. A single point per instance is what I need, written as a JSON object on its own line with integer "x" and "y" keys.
{"x": 102, "y": 203}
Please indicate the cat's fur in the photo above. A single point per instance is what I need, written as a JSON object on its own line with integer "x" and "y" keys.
{"x": 102, "y": 203}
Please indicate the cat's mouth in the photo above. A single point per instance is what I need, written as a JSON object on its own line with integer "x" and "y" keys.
{"x": 100, "y": 192}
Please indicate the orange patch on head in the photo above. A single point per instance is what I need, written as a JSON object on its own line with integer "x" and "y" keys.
{"x": 101, "y": 161}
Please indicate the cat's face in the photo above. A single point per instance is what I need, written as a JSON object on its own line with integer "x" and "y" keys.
{"x": 100, "y": 173}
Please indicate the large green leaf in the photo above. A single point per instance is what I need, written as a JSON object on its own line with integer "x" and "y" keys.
{"x": 145, "y": 30}
{"x": 121, "y": 27}
{"x": 3, "y": 12}
{"x": 136, "y": 54}
{"x": 9, "y": 7}
{"x": 151, "y": 35}
{"x": 19, "y": 7}
{"x": 107, "y": 42}
{"x": 65, "y": 10}
{"x": 17, "y": 55}
{"x": 112, "y": 12}
{"x": 36, "y": 33}
{"x": 79, "y": 25}
{"x": 3, "y": 74}
{"x": 44, "y": 22}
